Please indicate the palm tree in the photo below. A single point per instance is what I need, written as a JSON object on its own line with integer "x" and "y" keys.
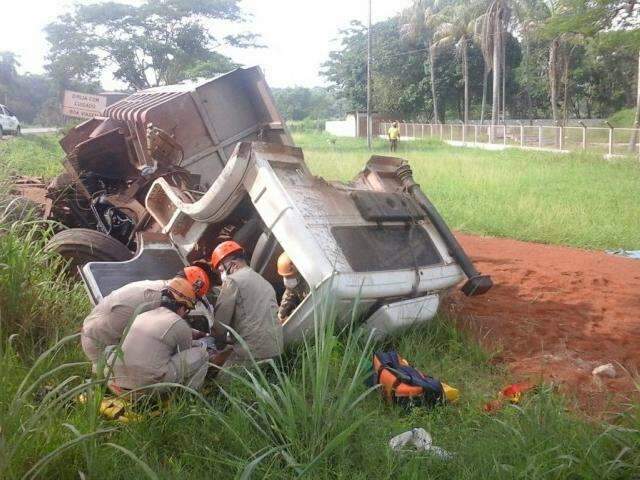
{"x": 493, "y": 25}
{"x": 420, "y": 25}
{"x": 457, "y": 26}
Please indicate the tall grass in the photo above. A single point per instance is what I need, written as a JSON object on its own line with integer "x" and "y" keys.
{"x": 306, "y": 412}
{"x": 37, "y": 301}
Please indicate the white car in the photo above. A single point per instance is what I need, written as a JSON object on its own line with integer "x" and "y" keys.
{"x": 9, "y": 123}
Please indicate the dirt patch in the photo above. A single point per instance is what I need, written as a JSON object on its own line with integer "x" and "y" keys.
{"x": 556, "y": 313}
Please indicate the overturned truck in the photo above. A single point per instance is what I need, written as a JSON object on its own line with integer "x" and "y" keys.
{"x": 168, "y": 173}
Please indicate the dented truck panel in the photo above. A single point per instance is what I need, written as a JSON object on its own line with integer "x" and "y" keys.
{"x": 346, "y": 239}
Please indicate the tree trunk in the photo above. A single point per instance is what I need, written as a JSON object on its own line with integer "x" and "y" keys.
{"x": 485, "y": 81}
{"x": 565, "y": 80}
{"x": 636, "y": 123}
{"x": 497, "y": 63}
{"x": 432, "y": 72}
{"x": 503, "y": 39}
{"x": 465, "y": 75}
{"x": 553, "y": 76}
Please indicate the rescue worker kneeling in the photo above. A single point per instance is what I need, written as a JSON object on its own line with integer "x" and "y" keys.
{"x": 247, "y": 304}
{"x": 159, "y": 347}
{"x": 109, "y": 319}
{"x": 296, "y": 288}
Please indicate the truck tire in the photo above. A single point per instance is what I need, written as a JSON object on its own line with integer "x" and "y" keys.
{"x": 81, "y": 246}
{"x": 1, "y": 132}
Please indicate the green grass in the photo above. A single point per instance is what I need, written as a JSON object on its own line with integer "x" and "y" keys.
{"x": 623, "y": 118}
{"x": 570, "y": 199}
{"x": 38, "y": 155}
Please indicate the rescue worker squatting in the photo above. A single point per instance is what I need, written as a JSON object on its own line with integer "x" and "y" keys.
{"x": 247, "y": 304}
{"x": 160, "y": 346}
{"x": 107, "y": 322}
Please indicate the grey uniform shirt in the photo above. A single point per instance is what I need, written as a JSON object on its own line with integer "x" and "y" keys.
{"x": 247, "y": 303}
{"x": 108, "y": 320}
{"x": 154, "y": 340}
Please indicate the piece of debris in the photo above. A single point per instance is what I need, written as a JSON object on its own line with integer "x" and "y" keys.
{"x": 421, "y": 440}
{"x": 607, "y": 370}
{"x": 510, "y": 394}
{"x": 625, "y": 253}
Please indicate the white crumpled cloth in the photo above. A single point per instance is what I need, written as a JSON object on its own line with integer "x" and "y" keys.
{"x": 421, "y": 440}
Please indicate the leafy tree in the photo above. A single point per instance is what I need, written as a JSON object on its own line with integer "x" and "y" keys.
{"x": 299, "y": 103}
{"x": 346, "y": 68}
{"x": 398, "y": 70}
{"x": 154, "y": 43}
{"x": 8, "y": 73}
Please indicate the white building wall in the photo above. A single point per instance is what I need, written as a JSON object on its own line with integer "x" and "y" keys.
{"x": 342, "y": 128}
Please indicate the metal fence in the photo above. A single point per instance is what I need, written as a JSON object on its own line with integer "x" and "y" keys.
{"x": 604, "y": 140}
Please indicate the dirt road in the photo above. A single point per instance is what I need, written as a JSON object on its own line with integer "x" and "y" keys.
{"x": 558, "y": 312}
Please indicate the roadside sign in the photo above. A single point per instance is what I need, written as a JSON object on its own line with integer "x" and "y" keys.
{"x": 82, "y": 105}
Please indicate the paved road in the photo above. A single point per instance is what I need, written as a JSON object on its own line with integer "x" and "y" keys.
{"x": 32, "y": 131}
{"x": 39, "y": 130}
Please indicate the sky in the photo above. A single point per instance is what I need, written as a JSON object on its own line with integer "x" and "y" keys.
{"x": 298, "y": 34}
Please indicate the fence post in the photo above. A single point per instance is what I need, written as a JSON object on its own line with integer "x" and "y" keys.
{"x": 561, "y": 143}
{"x": 464, "y": 136}
{"x": 422, "y": 130}
{"x": 539, "y": 136}
{"x": 610, "y": 138}
{"x": 441, "y": 132}
{"x": 521, "y": 135}
{"x": 584, "y": 136}
{"x": 504, "y": 133}
{"x": 475, "y": 133}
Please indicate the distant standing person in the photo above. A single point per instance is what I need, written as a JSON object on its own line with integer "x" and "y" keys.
{"x": 394, "y": 136}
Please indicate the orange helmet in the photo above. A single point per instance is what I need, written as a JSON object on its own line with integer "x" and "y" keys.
{"x": 223, "y": 250}
{"x": 182, "y": 291}
{"x": 198, "y": 278}
{"x": 286, "y": 268}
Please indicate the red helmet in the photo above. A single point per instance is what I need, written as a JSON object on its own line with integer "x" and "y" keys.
{"x": 199, "y": 279}
{"x": 223, "y": 250}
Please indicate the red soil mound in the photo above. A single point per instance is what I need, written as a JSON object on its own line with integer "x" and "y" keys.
{"x": 556, "y": 313}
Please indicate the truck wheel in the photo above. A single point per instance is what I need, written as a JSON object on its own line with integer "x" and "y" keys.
{"x": 81, "y": 246}
{"x": 1, "y": 132}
